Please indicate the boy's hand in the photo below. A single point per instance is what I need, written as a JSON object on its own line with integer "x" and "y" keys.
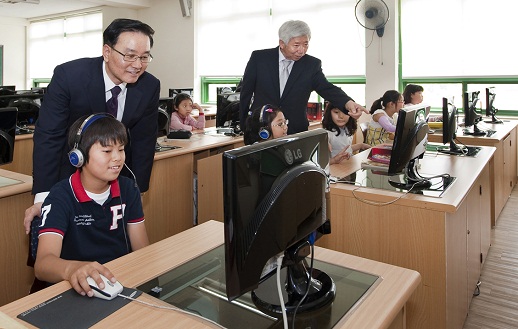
{"x": 78, "y": 277}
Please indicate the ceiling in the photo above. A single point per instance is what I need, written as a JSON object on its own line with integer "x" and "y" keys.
{"x": 52, "y": 7}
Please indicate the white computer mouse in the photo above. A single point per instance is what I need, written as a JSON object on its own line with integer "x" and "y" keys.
{"x": 110, "y": 291}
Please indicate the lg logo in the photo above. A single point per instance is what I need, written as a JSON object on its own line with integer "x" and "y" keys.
{"x": 290, "y": 156}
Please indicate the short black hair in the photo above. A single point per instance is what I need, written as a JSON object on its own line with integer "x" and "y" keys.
{"x": 105, "y": 130}
{"x": 120, "y": 25}
{"x": 409, "y": 90}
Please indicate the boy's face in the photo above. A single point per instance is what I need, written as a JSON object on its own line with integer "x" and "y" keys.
{"x": 104, "y": 165}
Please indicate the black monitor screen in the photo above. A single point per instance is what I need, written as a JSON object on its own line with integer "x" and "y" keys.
{"x": 274, "y": 200}
{"x": 471, "y": 117}
{"x": 470, "y": 101}
{"x": 490, "y": 107}
{"x": 449, "y": 129}
{"x": 410, "y": 140}
{"x": 7, "y": 134}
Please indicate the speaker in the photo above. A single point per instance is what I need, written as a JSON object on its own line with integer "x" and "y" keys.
{"x": 186, "y": 6}
{"x": 76, "y": 156}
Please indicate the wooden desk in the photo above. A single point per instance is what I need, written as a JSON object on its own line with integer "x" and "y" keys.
{"x": 16, "y": 276}
{"x": 503, "y": 168}
{"x": 22, "y": 157}
{"x": 168, "y": 204}
{"x": 384, "y": 307}
{"x": 444, "y": 239}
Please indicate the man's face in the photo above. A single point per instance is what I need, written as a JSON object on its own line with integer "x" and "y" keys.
{"x": 129, "y": 43}
{"x": 295, "y": 48}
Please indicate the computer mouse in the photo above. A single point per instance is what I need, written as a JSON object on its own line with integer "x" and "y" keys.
{"x": 110, "y": 291}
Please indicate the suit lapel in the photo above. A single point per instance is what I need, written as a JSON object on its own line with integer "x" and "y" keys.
{"x": 133, "y": 96}
{"x": 95, "y": 87}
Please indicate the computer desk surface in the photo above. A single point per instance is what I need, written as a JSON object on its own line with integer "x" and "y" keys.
{"x": 387, "y": 301}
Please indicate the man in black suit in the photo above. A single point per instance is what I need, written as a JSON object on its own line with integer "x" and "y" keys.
{"x": 82, "y": 87}
{"x": 262, "y": 84}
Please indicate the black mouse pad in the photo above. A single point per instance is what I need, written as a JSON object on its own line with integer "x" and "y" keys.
{"x": 71, "y": 310}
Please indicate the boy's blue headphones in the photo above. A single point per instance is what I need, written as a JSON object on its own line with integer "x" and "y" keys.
{"x": 76, "y": 156}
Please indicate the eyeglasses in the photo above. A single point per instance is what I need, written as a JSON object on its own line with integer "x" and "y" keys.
{"x": 133, "y": 58}
{"x": 281, "y": 124}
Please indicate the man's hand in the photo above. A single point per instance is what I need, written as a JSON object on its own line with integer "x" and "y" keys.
{"x": 30, "y": 213}
{"x": 355, "y": 110}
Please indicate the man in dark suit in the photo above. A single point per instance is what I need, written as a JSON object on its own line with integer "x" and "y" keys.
{"x": 84, "y": 86}
{"x": 262, "y": 80}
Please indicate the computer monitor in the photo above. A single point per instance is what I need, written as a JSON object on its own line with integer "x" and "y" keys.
{"x": 163, "y": 123}
{"x": 410, "y": 140}
{"x": 7, "y": 134}
{"x": 471, "y": 117}
{"x": 449, "y": 129}
{"x": 175, "y": 91}
{"x": 490, "y": 108}
{"x": 274, "y": 204}
{"x": 227, "y": 109}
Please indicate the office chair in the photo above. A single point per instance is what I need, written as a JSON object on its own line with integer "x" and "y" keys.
{"x": 37, "y": 284}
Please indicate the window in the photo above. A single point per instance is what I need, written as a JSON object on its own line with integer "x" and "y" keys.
{"x": 55, "y": 41}
{"x": 453, "y": 46}
{"x": 229, "y": 30}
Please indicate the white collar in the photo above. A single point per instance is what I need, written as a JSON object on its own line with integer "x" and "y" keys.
{"x": 109, "y": 84}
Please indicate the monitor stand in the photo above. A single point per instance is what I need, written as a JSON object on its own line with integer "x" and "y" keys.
{"x": 493, "y": 120}
{"x": 322, "y": 289}
{"x": 412, "y": 181}
{"x": 476, "y": 131}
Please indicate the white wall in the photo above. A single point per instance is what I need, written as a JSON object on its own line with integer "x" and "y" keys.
{"x": 173, "y": 51}
{"x": 12, "y": 37}
{"x": 382, "y": 58}
{"x": 174, "y": 48}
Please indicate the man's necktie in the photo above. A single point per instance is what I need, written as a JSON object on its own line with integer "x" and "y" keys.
{"x": 283, "y": 75}
{"x": 112, "y": 104}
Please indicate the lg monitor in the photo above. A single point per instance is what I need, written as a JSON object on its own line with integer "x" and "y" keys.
{"x": 274, "y": 205}
{"x": 410, "y": 140}
{"x": 490, "y": 108}
{"x": 471, "y": 117}
{"x": 7, "y": 134}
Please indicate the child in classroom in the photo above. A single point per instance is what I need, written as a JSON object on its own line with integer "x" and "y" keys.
{"x": 95, "y": 215}
{"x": 181, "y": 118}
{"x": 383, "y": 122}
{"x": 340, "y": 129}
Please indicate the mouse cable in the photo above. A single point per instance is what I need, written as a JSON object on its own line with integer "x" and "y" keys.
{"x": 172, "y": 308}
{"x": 375, "y": 203}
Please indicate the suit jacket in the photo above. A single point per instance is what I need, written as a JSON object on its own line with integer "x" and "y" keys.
{"x": 261, "y": 80}
{"x": 77, "y": 89}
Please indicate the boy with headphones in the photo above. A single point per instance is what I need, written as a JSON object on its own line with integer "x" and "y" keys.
{"x": 265, "y": 123}
{"x": 95, "y": 215}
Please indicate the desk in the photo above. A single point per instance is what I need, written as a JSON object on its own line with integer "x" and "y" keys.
{"x": 503, "y": 169}
{"x": 22, "y": 157}
{"x": 444, "y": 239}
{"x": 16, "y": 276}
{"x": 384, "y": 307}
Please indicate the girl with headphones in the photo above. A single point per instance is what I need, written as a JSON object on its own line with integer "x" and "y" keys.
{"x": 267, "y": 122}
